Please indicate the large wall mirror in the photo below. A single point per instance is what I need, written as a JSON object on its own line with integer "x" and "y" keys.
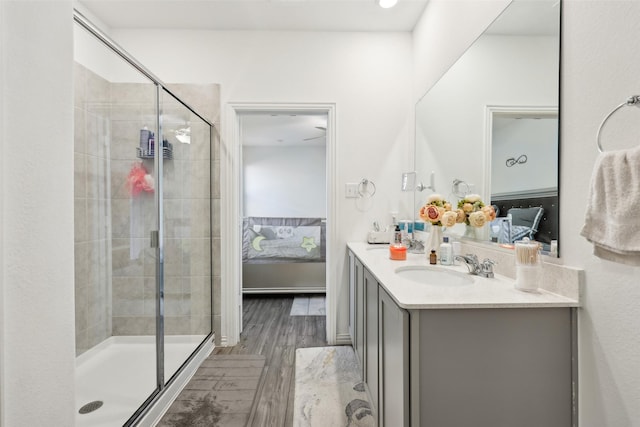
{"x": 489, "y": 126}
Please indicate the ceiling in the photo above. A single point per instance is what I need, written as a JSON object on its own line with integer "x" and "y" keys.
{"x": 283, "y": 129}
{"x": 246, "y": 15}
{"x": 269, "y": 15}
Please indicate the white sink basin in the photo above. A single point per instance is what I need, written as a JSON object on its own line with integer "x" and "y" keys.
{"x": 434, "y": 276}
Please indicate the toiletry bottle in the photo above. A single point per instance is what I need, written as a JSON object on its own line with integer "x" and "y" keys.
{"x": 433, "y": 258}
{"x": 446, "y": 252}
{"x": 397, "y": 235}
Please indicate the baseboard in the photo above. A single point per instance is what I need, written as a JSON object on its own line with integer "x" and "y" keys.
{"x": 343, "y": 339}
{"x": 285, "y": 290}
{"x": 224, "y": 341}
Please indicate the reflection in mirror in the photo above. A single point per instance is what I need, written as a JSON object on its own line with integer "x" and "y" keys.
{"x": 490, "y": 126}
{"x": 408, "y": 181}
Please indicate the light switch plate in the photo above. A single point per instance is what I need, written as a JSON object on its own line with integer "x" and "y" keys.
{"x": 351, "y": 190}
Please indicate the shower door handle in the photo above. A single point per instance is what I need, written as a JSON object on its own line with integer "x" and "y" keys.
{"x": 154, "y": 239}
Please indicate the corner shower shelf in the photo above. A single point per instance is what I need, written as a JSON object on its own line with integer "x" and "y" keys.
{"x": 167, "y": 153}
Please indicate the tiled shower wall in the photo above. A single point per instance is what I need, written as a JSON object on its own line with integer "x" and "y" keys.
{"x": 192, "y": 227}
{"x": 133, "y": 216}
{"x": 205, "y": 99}
{"x": 91, "y": 211}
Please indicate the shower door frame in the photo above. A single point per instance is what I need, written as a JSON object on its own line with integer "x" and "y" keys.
{"x": 159, "y": 400}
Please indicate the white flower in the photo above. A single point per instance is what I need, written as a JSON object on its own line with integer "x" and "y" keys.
{"x": 472, "y": 198}
{"x": 477, "y": 219}
{"x": 449, "y": 218}
{"x": 434, "y": 198}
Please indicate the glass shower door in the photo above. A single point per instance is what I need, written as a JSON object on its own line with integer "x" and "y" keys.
{"x": 143, "y": 247}
{"x": 186, "y": 213}
{"x": 115, "y": 212}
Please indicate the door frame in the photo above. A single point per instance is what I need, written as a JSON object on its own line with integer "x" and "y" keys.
{"x": 231, "y": 214}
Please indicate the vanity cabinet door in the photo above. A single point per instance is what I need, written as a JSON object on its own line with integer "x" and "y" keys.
{"x": 371, "y": 335}
{"x": 495, "y": 368}
{"x": 352, "y": 298}
{"x": 393, "y": 410}
{"x": 359, "y": 315}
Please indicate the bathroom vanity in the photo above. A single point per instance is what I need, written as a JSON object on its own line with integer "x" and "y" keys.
{"x": 439, "y": 347}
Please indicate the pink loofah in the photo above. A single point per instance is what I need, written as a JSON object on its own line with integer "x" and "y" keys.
{"x": 139, "y": 180}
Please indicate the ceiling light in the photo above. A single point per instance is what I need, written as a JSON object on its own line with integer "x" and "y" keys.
{"x": 386, "y": 4}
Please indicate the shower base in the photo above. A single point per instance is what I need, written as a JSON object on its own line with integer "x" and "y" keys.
{"x": 120, "y": 372}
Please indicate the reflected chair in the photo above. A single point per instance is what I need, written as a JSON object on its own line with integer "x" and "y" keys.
{"x": 524, "y": 222}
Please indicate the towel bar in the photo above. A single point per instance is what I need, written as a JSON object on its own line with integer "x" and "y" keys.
{"x": 632, "y": 100}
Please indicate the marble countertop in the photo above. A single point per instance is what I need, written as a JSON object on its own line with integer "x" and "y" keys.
{"x": 497, "y": 292}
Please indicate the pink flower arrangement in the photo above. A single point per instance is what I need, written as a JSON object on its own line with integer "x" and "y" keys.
{"x": 438, "y": 211}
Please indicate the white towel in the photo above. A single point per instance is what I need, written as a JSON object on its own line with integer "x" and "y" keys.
{"x": 612, "y": 220}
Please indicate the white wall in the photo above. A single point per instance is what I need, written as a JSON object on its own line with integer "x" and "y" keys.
{"x": 600, "y": 68}
{"x": 367, "y": 76}
{"x": 285, "y": 181}
{"x": 537, "y": 139}
{"x": 445, "y": 30}
{"x": 37, "y": 357}
{"x": 3, "y": 137}
{"x": 97, "y": 57}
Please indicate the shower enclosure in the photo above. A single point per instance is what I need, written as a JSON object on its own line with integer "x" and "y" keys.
{"x": 143, "y": 225}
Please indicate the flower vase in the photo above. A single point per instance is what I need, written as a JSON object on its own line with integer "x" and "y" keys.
{"x": 435, "y": 238}
{"x": 470, "y": 232}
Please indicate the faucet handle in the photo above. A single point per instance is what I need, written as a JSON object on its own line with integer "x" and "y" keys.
{"x": 487, "y": 267}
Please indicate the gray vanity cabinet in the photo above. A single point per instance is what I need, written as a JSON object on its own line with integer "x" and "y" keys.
{"x": 357, "y": 310}
{"x": 492, "y": 367}
{"x": 481, "y": 367}
{"x": 393, "y": 406}
{"x": 355, "y": 272}
{"x": 379, "y": 334}
{"x": 371, "y": 335}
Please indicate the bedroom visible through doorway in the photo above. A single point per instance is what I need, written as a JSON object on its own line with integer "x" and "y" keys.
{"x": 284, "y": 202}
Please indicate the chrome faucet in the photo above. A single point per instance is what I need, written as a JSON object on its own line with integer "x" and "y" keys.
{"x": 484, "y": 269}
{"x": 471, "y": 261}
{"x": 414, "y": 246}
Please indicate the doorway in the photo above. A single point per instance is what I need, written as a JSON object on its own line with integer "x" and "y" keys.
{"x": 284, "y": 203}
{"x": 313, "y": 127}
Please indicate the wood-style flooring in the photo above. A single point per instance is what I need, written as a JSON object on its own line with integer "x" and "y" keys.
{"x": 270, "y": 331}
{"x": 221, "y": 393}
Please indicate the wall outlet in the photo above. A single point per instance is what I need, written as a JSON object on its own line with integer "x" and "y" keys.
{"x": 351, "y": 190}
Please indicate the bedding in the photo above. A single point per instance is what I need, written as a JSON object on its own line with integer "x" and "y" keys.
{"x": 272, "y": 240}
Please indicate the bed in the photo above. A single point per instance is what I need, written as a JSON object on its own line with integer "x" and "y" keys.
{"x": 283, "y": 255}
